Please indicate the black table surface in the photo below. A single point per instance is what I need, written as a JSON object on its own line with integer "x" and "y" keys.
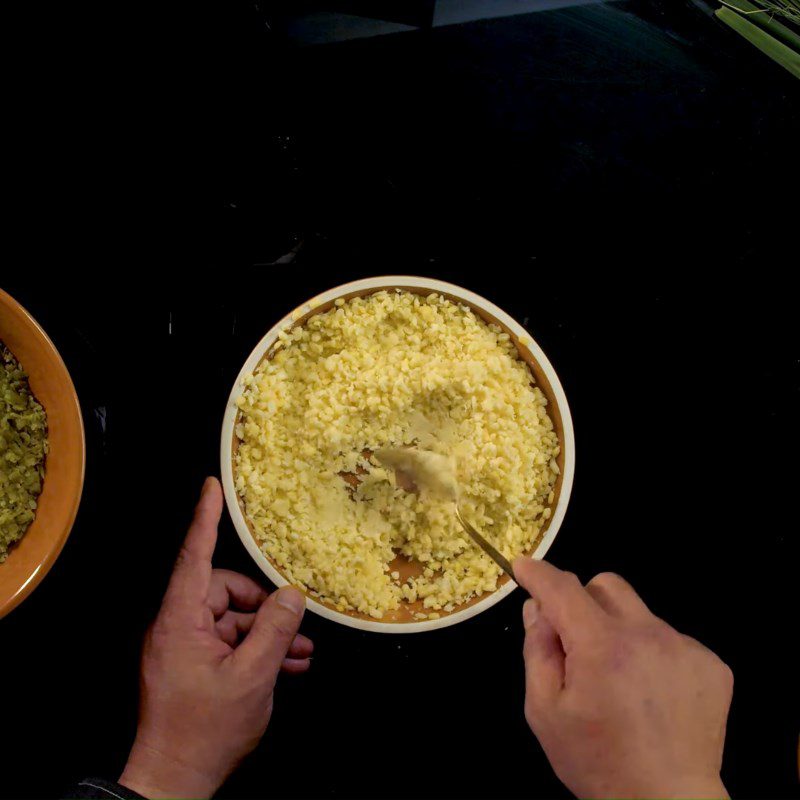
{"x": 615, "y": 176}
{"x": 683, "y": 406}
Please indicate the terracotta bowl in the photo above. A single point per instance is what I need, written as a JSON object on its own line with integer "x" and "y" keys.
{"x": 402, "y": 620}
{"x": 30, "y": 559}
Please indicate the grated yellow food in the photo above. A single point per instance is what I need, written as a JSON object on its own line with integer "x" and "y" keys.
{"x": 390, "y": 370}
{"x": 23, "y": 449}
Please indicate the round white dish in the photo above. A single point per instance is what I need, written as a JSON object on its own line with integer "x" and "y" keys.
{"x": 524, "y": 343}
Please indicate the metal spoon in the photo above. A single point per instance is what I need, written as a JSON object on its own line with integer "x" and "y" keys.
{"x": 490, "y": 551}
{"x": 422, "y": 468}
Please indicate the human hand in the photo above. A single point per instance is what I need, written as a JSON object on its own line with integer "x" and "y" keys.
{"x": 622, "y": 704}
{"x": 209, "y": 667}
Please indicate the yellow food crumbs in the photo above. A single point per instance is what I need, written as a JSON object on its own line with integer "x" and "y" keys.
{"x": 392, "y": 369}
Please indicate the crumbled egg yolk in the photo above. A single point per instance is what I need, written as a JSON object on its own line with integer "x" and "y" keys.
{"x": 392, "y": 369}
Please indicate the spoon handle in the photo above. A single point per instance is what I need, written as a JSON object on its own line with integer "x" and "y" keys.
{"x": 492, "y": 552}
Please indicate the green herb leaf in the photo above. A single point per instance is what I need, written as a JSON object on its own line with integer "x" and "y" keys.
{"x": 764, "y": 18}
{"x": 778, "y": 51}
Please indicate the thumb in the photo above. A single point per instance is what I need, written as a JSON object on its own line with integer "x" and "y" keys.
{"x": 544, "y": 662}
{"x": 563, "y": 601}
{"x": 275, "y": 626}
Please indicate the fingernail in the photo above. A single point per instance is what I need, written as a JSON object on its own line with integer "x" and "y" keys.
{"x": 290, "y": 599}
{"x": 206, "y": 485}
{"x": 530, "y": 613}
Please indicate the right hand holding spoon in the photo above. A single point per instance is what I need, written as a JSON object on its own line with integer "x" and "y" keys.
{"x": 622, "y": 704}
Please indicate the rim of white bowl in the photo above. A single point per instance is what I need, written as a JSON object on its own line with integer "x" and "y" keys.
{"x": 375, "y": 284}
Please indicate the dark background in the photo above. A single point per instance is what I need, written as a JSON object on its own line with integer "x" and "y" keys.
{"x": 616, "y": 176}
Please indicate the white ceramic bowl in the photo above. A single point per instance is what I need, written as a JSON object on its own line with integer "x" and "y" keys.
{"x": 545, "y": 377}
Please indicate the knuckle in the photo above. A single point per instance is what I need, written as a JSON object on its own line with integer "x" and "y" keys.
{"x": 283, "y": 625}
{"x": 160, "y": 629}
{"x": 662, "y": 634}
{"x": 608, "y": 580}
{"x": 658, "y": 638}
{"x": 571, "y": 579}
{"x": 692, "y": 644}
{"x": 155, "y": 632}
{"x": 530, "y": 714}
{"x": 282, "y": 630}
{"x": 617, "y": 650}
{"x": 533, "y": 711}
{"x": 726, "y": 675}
{"x": 150, "y": 640}
{"x": 621, "y": 645}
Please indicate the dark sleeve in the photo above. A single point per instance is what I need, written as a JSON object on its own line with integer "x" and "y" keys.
{"x": 99, "y": 789}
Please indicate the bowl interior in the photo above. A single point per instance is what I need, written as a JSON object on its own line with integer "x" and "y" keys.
{"x": 404, "y": 615}
{"x": 29, "y": 559}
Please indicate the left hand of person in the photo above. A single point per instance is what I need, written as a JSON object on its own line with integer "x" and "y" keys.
{"x": 209, "y": 668}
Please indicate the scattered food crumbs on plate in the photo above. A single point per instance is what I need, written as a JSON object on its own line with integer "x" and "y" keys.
{"x": 389, "y": 370}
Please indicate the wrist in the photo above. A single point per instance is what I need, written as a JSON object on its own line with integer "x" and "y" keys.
{"x": 690, "y": 788}
{"x": 155, "y": 775}
{"x": 675, "y": 787}
{"x": 711, "y": 788}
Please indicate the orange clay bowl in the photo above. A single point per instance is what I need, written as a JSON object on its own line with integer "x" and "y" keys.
{"x": 30, "y": 559}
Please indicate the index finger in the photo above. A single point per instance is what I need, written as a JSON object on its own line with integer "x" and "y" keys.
{"x": 563, "y": 601}
{"x": 614, "y": 594}
{"x": 191, "y": 577}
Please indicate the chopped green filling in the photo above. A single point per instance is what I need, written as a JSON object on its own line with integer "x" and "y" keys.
{"x": 23, "y": 447}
